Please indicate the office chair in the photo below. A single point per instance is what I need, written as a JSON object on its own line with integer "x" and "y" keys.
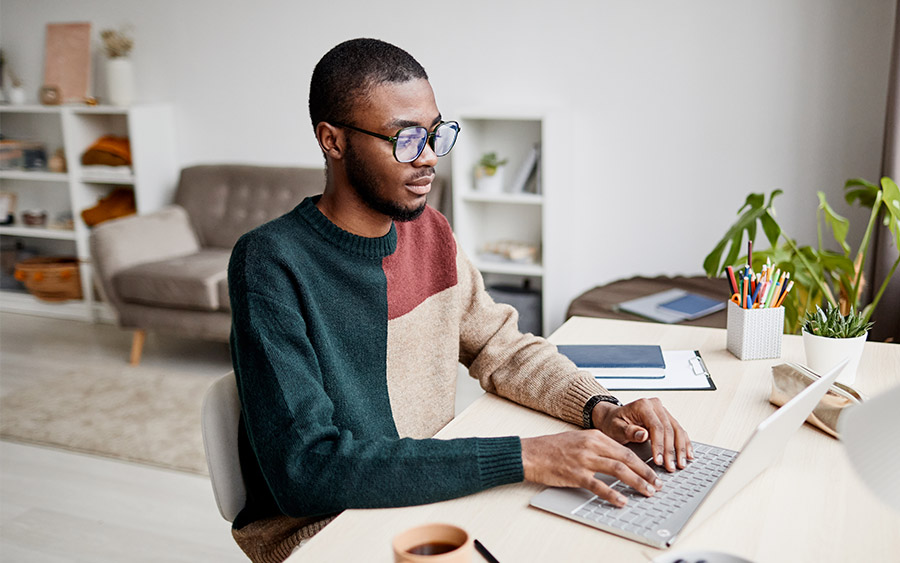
{"x": 219, "y": 418}
{"x": 867, "y": 431}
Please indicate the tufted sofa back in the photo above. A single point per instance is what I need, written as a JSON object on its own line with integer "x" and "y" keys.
{"x": 225, "y": 201}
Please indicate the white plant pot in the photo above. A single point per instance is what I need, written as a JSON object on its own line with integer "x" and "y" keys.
{"x": 490, "y": 184}
{"x": 824, "y": 353}
{"x": 17, "y": 95}
{"x": 119, "y": 81}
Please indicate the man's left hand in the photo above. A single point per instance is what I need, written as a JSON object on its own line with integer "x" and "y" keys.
{"x": 642, "y": 420}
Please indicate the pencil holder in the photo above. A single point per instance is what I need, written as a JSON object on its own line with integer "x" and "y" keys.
{"x": 755, "y": 334}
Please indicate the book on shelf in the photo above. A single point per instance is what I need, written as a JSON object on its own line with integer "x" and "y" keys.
{"x": 527, "y": 178}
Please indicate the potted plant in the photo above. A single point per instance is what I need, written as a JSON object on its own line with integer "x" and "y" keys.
{"x": 821, "y": 276}
{"x": 489, "y": 173}
{"x": 829, "y": 337}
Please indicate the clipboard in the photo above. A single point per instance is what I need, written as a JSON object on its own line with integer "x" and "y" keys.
{"x": 685, "y": 371}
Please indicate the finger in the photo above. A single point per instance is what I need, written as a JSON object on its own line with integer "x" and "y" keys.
{"x": 604, "y": 491}
{"x": 657, "y": 434}
{"x": 682, "y": 444}
{"x": 671, "y": 454}
{"x": 636, "y": 434}
{"x": 629, "y": 469}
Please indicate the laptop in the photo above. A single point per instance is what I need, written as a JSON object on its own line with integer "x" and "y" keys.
{"x": 659, "y": 520}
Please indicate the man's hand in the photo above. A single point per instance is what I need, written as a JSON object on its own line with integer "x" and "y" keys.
{"x": 631, "y": 423}
{"x": 571, "y": 459}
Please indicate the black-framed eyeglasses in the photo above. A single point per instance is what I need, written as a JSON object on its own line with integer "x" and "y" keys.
{"x": 409, "y": 142}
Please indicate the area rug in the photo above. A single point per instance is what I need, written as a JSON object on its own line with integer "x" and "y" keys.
{"x": 128, "y": 413}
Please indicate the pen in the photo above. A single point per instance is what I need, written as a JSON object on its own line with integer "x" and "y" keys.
{"x": 485, "y": 553}
{"x": 749, "y": 253}
{"x": 744, "y": 292}
{"x": 734, "y": 287}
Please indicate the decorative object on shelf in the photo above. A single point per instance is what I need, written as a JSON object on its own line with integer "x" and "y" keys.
{"x": 510, "y": 251}
{"x": 7, "y": 208}
{"x": 528, "y": 177}
{"x": 34, "y": 217}
{"x": 67, "y": 63}
{"x": 820, "y": 275}
{"x": 829, "y": 337}
{"x": 489, "y": 173}
{"x": 51, "y": 278}
{"x": 17, "y": 93}
{"x": 108, "y": 150}
{"x": 119, "y": 203}
{"x": 63, "y": 222}
{"x": 119, "y": 71}
{"x": 57, "y": 162}
{"x": 50, "y": 95}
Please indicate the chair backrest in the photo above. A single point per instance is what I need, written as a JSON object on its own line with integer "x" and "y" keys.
{"x": 219, "y": 419}
{"x": 225, "y": 201}
{"x": 868, "y": 431}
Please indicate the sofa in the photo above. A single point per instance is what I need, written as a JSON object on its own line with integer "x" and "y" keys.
{"x": 167, "y": 270}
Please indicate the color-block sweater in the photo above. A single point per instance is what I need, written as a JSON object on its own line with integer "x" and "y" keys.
{"x": 345, "y": 350}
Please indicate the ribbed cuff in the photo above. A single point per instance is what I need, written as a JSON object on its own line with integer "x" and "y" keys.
{"x": 578, "y": 394}
{"x": 499, "y": 461}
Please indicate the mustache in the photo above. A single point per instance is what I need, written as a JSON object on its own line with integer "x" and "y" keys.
{"x": 423, "y": 173}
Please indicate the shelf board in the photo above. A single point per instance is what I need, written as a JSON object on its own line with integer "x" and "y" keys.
{"x": 29, "y": 108}
{"x": 22, "y": 302}
{"x": 87, "y": 179}
{"x": 504, "y": 198}
{"x": 38, "y": 232}
{"x": 512, "y": 268}
{"x": 37, "y": 175}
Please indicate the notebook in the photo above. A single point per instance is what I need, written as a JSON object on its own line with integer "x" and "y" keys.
{"x": 658, "y": 520}
{"x": 625, "y": 360}
{"x": 671, "y": 306}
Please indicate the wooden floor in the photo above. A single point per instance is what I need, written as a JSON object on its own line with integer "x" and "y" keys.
{"x": 56, "y": 506}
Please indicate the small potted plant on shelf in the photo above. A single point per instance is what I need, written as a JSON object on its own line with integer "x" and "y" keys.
{"x": 829, "y": 337}
{"x": 489, "y": 173}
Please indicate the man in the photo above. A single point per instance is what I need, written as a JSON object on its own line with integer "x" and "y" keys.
{"x": 351, "y": 313}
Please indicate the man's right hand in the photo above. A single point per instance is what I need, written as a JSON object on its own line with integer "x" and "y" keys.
{"x": 572, "y": 458}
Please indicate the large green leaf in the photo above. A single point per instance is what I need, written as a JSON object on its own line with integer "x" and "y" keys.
{"x": 859, "y": 189}
{"x": 756, "y": 208}
{"x": 840, "y": 226}
{"x": 892, "y": 205}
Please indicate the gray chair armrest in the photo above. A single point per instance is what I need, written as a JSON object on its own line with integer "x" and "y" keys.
{"x": 122, "y": 243}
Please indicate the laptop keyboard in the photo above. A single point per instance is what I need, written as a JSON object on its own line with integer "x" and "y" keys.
{"x": 686, "y": 487}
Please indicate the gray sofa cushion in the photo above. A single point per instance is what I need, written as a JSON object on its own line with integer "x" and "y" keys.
{"x": 191, "y": 281}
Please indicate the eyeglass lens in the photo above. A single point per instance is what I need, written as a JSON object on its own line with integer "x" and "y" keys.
{"x": 411, "y": 141}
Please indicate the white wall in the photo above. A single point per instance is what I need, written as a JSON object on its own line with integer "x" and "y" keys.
{"x": 677, "y": 110}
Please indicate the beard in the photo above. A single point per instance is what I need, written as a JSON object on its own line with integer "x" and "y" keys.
{"x": 367, "y": 187}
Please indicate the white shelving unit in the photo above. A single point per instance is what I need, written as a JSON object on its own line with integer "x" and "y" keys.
{"x": 481, "y": 218}
{"x": 74, "y": 128}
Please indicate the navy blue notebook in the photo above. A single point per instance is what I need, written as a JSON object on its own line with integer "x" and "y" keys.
{"x": 624, "y": 360}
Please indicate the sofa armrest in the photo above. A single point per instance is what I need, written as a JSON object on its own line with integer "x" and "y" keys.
{"x": 122, "y": 243}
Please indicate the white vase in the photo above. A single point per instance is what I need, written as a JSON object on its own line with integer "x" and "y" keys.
{"x": 119, "y": 81}
{"x": 492, "y": 184}
{"x": 824, "y": 353}
{"x": 17, "y": 95}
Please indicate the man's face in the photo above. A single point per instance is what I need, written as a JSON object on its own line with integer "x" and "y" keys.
{"x": 386, "y": 186}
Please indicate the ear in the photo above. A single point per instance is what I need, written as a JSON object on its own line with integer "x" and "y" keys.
{"x": 331, "y": 140}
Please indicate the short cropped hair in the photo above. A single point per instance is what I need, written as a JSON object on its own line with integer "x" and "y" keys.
{"x": 349, "y": 70}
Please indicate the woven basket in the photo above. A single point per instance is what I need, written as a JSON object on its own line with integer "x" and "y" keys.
{"x": 50, "y": 278}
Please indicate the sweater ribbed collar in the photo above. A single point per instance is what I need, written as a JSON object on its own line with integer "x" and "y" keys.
{"x": 377, "y": 247}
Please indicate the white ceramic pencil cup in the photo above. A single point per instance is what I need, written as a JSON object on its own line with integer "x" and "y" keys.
{"x": 755, "y": 334}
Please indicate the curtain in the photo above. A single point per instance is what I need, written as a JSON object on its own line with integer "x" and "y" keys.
{"x": 887, "y": 316}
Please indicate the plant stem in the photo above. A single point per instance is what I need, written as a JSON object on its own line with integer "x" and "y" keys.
{"x": 871, "y": 307}
{"x": 864, "y": 249}
{"x": 822, "y": 286}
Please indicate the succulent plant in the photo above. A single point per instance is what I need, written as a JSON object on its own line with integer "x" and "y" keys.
{"x": 832, "y": 324}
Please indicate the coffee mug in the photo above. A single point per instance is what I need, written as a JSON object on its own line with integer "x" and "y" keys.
{"x": 433, "y": 543}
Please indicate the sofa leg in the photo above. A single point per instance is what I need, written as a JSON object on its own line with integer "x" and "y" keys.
{"x": 137, "y": 346}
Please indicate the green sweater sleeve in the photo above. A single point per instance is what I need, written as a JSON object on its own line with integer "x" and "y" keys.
{"x": 312, "y": 463}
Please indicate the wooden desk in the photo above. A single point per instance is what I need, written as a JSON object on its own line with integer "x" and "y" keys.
{"x": 809, "y": 506}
